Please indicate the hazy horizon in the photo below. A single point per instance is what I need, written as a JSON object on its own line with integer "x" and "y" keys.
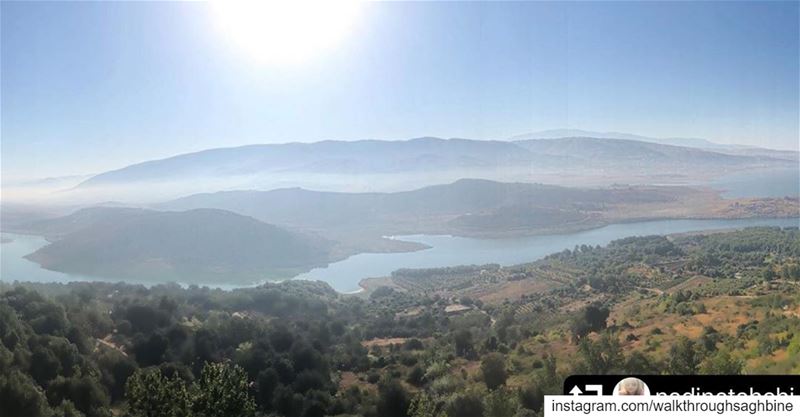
{"x": 29, "y": 180}
{"x": 89, "y": 87}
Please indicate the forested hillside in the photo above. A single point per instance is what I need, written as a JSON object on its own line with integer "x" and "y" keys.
{"x": 438, "y": 342}
{"x": 197, "y": 246}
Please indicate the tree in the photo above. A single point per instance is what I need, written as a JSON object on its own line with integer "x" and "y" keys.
{"x": 414, "y": 344}
{"x": 603, "y": 356}
{"x": 423, "y": 406}
{"x": 640, "y": 363}
{"x": 84, "y": 391}
{"x": 266, "y": 383}
{"x": 500, "y": 403}
{"x": 44, "y": 365}
{"x": 316, "y": 403}
{"x": 683, "y": 357}
{"x": 309, "y": 380}
{"x": 531, "y": 397}
{"x": 416, "y": 376}
{"x": 145, "y": 319}
{"x": 221, "y": 391}
{"x": 150, "y": 350}
{"x": 591, "y": 319}
{"x": 550, "y": 381}
{"x": 794, "y": 345}
{"x": 392, "y": 399}
{"x": 115, "y": 368}
{"x": 287, "y": 402}
{"x": 467, "y": 404}
{"x": 67, "y": 409}
{"x": 493, "y": 367}
{"x": 19, "y": 396}
{"x": 151, "y": 394}
{"x": 722, "y": 363}
{"x": 768, "y": 274}
{"x": 791, "y": 271}
{"x": 463, "y": 342}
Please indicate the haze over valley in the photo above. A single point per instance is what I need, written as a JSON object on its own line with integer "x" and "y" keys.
{"x": 248, "y": 236}
{"x": 405, "y": 165}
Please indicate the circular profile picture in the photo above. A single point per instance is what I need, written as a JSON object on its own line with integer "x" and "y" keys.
{"x": 631, "y": 386}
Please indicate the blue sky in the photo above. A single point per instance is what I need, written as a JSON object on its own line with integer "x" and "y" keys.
{"x": 93, "y": 86}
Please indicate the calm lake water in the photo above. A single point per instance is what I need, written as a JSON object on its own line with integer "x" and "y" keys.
{"x": 13, "y": 267}
{"x": 449, "y": 251}
{"x": 345, "y": 275}
{"x": 767, "y": 183}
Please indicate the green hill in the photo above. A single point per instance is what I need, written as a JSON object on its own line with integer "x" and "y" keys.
{"x": 199, "y": 246}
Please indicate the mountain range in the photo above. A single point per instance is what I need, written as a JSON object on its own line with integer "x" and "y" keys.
{"x": 577, "y": 133}
{"x": 699, "y": 143}
{"x": 434, "y": 156}
{"x": 328, "y": 157}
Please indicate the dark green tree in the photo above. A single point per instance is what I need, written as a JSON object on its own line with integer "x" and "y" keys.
{"x": 463, "y": 342}
{"x": 67, "y": 409}
{"x": 639, "y": 363}
{"x": 591, "y": 319}
{"x": 531, "y": 397}
{"x": 393, "y": 400}
{"x": 602, "y": 356}
{"x": 20, "y": 396}
{"x": 83, "y": 390}
{"x": 493, "y": 367}
{"x": 500, "y": 403}
{"x": 424, "y": 406}
{"x": 466, "y": 404}
{"x": 222, "y": 391}
{"x": 722, "y": 363}
{"x": 683, "y": 357}
{"x": 416, "y": 376}
{"x": 151, "y": 394}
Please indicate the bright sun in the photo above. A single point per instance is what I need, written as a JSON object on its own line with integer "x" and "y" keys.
{"x": 285, "y": 31}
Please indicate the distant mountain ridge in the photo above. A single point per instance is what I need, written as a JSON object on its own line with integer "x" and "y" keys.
{"x": 627, "y": 152}
{"x": 441, "y": 209}
{"x": 356, "y": 157}
{"x": 430, "y": 156}
{"x": 573, "y": 133}
{"x": 731, "y": 149}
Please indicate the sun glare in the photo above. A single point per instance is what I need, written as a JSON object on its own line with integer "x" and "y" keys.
{"x": 287, "y": 31}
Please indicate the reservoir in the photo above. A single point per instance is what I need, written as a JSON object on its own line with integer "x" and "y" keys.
{"x": 345, "y": 275}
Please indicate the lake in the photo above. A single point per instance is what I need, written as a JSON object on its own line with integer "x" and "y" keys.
{"x": 345, "y": 275}
{"x": 13, "y": 267}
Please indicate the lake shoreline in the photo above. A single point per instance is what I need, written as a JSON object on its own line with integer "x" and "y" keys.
{"x": 366, "y": 284}
{"x": 362, "y": 284}
{"x": 370, "y": 284}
